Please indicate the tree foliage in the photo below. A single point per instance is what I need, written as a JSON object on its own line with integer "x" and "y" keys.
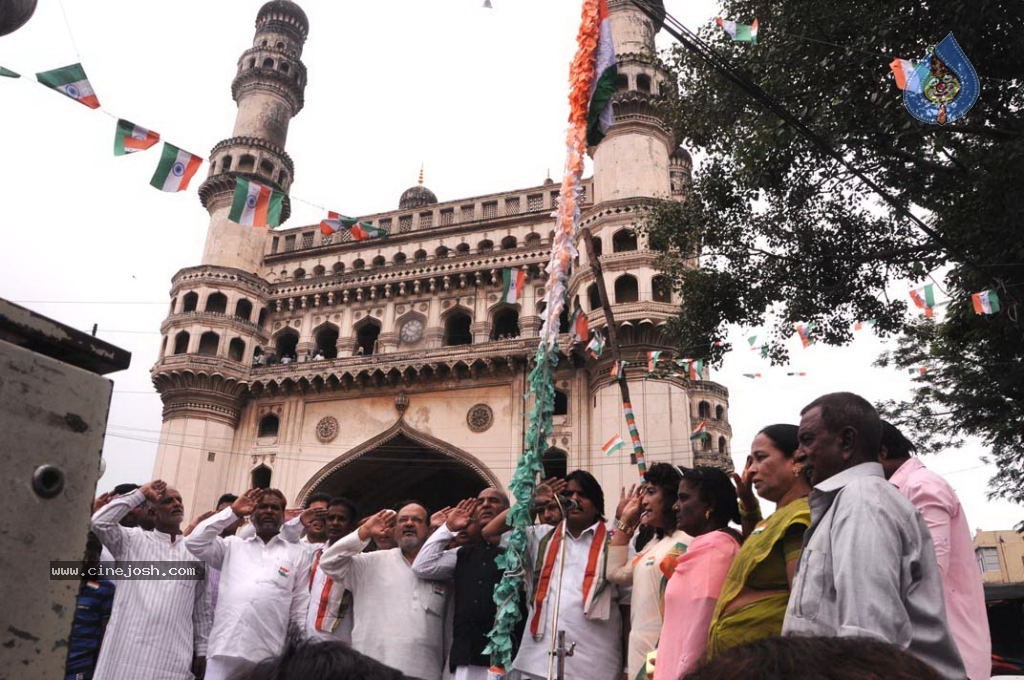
{"x": 785, "y": 235}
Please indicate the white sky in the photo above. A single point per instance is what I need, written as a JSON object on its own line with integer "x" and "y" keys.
{"x": 477, "y": 95}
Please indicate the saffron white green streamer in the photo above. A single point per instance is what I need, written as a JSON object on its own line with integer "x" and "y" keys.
{"x": 541, "y": 380}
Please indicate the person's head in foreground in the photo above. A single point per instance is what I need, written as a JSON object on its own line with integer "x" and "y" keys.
{"x": 837, "y": 432}
{"x": 815, "y": 658}
{"x": 320, "y": 660}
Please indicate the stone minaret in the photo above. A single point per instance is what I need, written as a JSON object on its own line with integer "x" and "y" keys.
{"x": 218, "y": 310}
{"x": 268, "y": 89}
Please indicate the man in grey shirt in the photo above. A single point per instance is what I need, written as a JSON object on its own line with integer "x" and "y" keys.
{"x": 868, "y": 568}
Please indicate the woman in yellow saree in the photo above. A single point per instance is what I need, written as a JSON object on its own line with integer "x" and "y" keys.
{"x": 753, "y": 600}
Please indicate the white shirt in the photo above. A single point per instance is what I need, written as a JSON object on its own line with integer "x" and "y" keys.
{"x": 325, "y": 604}
{"x": 156, "y": 626}
{"x": 264, "y": 587}
{"x": 598, "y": 654}
{"x": 399, "y": 619}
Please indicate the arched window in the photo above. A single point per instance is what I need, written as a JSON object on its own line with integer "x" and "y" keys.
{"x": 457, "y": 329}
{"x": 643, "y": 82}
{"x": 174, "y": 303}
{"x": 269, "y": 426}
{"x": 420, "y": 255}
{"x": 441, "y": 251}
{"x": 283, "y": 66}
{"x": 505, "y": 324}
{"x": 462, "y": 248}
{"x": 243, "y": 310}
{"x": 217, "y": 302}
{"x": 319, "y": 270}
{"x": 267, "y": 168}
{"x": 721, "y": 446}
{"x": 561, "y": 403}
{"x": 261, "y": 477}
{"x": 532, "y": 239}
{"x": 181, "y": 342}
{"x": 399, "y": 258}
{"x": 263, "y": 317}
{"x": 247, "y": 163}
{"x": 661, "y": 289}
{"x": 285, "y": 344}
{"x": 299, "y": 274}
{"x": 703, "y": 410}
{"x": 190, "y": 302}
{"x": 268, "y": 63}
{"x": 225, "y": 163}
{"x": 327, "y": 342}
{"x": 623, "y": 240}
{"x": 379, "y": 261}
{"x": 719, "y": 412}
{"x": 358, "y": 264}
{"x": 339, "y": 268}
{"x": 706, "y": 443}
{"x": 509, "y": 242}
{"x": 626, "y": 289}
{"x": 598, "y": 247}
{"x": 593, "y": 297}
{"x": 485, "y": 245}
{"x": 236, "y": 349}
{"x": 366, "y": 337}
{"x": 209, "y": 342}
{"x": 555, "y": 462}
{"x": 621, "y": 82}
{"x": 163, "y": 346}
{"x": 563, "y": 320}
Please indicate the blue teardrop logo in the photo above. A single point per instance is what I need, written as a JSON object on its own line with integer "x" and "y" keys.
{"x": 943, "y": 86}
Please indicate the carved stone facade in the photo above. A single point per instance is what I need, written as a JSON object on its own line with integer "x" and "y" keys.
{"x": 390, "y": 368}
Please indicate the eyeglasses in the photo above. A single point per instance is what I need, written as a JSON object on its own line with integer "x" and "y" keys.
{"x": 692, "y": 473}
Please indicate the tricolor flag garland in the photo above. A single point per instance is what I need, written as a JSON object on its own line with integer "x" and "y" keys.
{"x": 175, "y": 169}
{"x": 580, "y": 326}
{"x": 71, "y": 82}
{"x": 701, "y": 431}
{"x": 804, "y": 332}
{"x": 919, "y": 370}
{"x": 583, "y": 89}
{"x": 255, "y": 204}
{"x": 360, "y": 231}
{"x": 985, "y": 302}
{"x": 924, "y": 298}
{"x": 634, "y": 435}
{"x": 613, "y": 445}
{"x": 130, "y": 138}
{"x": 739, "y": 32}
{"x": 902, "y": 69}
{"x": 8, "y": 73}
{"x": 618, "y": 370}
{"x": 652, "y": 360}
{"x": 512, "y": 282}
{"x": 752, "y": 375}
{"x": 596, "y": 345}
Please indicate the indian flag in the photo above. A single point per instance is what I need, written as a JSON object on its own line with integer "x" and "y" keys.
{"x": 652, "y": 360}
{"x": 580, "y": 326}
{"x": 613, "y": 445}
{"x": 985, "y": 302}
{"x": 255, "y": 204}
{"x": 599, "y": 113}
{"x": 129, "y": 138}
{"x": 696, "y": 366}
{"x": 924, "y": 298}
{"x": 739, "y": 32}
{"x": 752, "y": 375}
{"x": 512, "y": 281}
{"x": 361, "y": 231}
{"x": 333, "y": 223}
{"x": 8, "y": 73}
{"x": 71, "y": 82}
{"x": 805, "y": 334}
{"x": 175, "y": 169}
{"x": 618, "y": 370}
{"x": 596, "y": 345}
{"x": 902, "y": 69}
{"x": 701, "y": 431}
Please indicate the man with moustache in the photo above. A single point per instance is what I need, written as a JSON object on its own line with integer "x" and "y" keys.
{"x": 264, "y": 583}
{"x": 329, "y": 616}
{"x": 158, "y": 628}
{"x": 868, "y": 566}
{"x": 474, "y": 572}
{"x": 399, "y": 618}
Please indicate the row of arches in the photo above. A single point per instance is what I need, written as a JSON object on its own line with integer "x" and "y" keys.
{"x": 704, "y": 411}
{"x": 217, "y": 303}
{"x": 209, "y": 345}
{"x": 627, "y": 289}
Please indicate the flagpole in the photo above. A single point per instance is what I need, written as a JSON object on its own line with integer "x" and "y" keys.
{"x": 609, "y": 318}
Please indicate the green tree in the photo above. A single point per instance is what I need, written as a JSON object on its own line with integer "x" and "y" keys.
{"x": 786, "y": 235}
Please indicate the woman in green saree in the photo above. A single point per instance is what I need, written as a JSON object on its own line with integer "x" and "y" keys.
{"x": 756, "y": 590}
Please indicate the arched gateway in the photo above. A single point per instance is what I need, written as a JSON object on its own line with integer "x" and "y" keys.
{"x": 402, "y": 463}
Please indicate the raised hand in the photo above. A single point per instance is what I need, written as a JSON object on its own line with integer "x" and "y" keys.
{"x": 246, "y": 503}
{"x": 194, "y": 523}
{"x": 556, "y": 484}
{"x": 154, "y": 490}
{"x": 378, "y": 526}
{"x": 310, "y": 514}
{"x": 292, "y": 513}
{"x": 744, "y": 489}
{"x": 102, "y": 500}
{"x": 623, "y": 500}
{"x": 439, "y": 518}
{"x": 460, "y": 517}
{"x": 633, "y": 506}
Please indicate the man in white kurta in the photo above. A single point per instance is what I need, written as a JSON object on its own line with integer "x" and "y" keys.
{"x": 157, "y": 628}
{"x": 399, "y": 619}
{"x": 264, "y": 583}
{"x": 329, "y": 616}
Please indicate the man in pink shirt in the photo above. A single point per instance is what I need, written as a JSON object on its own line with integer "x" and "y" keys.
{"x": 935, "y": 499}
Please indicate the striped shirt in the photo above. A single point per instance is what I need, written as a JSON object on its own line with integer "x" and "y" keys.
{"x": 92, "y": 609}
{"x": 264, "y": 588}
{"x": 156, "y": 626}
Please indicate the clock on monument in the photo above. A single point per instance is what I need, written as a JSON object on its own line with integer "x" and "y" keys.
{"x": 412, "y": 331}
